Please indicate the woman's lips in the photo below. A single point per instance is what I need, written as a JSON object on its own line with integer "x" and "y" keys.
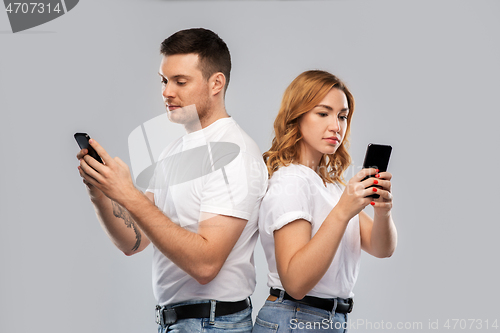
{"x": 331, "y": 140}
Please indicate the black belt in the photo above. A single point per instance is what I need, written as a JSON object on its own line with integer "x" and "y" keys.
{"x": 343, "y": 305}
{"x": 169, "y": 315}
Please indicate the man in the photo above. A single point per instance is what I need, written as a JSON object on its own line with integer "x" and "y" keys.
{"x": 200, "y": 210}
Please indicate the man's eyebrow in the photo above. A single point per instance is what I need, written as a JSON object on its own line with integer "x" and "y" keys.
{"x": 181, "y": 76}
{"x": 329, "y": 108}
{"x": 178, "y": 76}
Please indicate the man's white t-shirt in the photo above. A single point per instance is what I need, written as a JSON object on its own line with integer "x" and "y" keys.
{"x": 297, "y": 192}
{"x": 217, "y": 170}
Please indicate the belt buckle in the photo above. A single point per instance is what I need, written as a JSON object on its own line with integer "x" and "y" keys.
{"x": 159, "y": 315}
{"x": 165, "y": 316}
{"x": 169, "y": 316}
{"x": 351, "y": 305}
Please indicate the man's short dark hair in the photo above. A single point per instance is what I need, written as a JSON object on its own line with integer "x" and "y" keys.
{"x": 212, "y": 51}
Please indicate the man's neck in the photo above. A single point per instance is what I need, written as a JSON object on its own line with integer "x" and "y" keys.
{"x": 213, "y": 117}
{"x": 207, "y": 120}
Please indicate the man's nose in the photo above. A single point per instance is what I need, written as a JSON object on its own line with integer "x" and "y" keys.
{"x": 168, "y": 91}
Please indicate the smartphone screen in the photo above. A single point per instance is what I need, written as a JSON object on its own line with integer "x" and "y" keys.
{"x": 83, "y": 142}
{"x": 377, "y": 156}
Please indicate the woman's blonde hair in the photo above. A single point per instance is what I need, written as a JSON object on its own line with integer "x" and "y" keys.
{"x": 302, "y": 95}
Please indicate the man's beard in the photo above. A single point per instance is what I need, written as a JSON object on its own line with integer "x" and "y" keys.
{"x": 192, "y": 116}
{"x": 204, "y": 110}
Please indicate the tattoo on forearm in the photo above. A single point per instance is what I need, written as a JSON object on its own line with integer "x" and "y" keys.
{"x": 122, "y": 213}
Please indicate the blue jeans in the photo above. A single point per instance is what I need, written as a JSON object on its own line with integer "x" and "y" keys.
{"x": 239, "y": 322}
{"x": 284, "y": 316}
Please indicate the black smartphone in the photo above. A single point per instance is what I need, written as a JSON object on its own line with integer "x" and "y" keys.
{"x": 83, "y": 141}
{"x": 377, "y": 156}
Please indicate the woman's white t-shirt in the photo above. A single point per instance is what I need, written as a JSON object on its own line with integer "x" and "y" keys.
{"x": 297, "y": 192}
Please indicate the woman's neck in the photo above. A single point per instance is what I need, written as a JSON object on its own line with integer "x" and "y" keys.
{"x": 309, "y": 156}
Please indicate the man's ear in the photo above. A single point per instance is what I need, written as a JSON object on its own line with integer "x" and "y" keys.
{"x": 217, "y": 83}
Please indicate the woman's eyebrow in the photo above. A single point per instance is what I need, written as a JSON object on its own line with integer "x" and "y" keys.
{"x": 329, "y": 108}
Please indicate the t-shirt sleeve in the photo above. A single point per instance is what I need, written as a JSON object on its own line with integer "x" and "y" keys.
{"x": 287, "y": 199}
{"x": 235, "y": 189}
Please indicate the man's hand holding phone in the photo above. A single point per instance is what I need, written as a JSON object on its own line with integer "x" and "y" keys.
{"x": 82, "y": 139}
{"x": 111, "y": 178}
{"x": 94, "y": 193}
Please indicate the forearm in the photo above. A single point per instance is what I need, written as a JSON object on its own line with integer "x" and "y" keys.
{"x": 119, "y": 226}
{"x": 188, "y": 250}
{"x": 191, "y": 251}
{"x": 383, "y": 235}
{"x": 309, "y": 264}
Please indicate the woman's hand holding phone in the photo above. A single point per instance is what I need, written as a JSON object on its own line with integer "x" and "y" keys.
{"x": 357, "y": 193}
{"x": 355, "y": 196}
{"x": 383, "y": 204}
{"x": 377, "y": 156}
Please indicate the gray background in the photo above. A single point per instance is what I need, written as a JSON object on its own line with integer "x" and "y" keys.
{"x": 425, "y": 78}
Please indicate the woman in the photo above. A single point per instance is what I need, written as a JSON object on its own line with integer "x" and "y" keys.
{"x": 311, "y": 228}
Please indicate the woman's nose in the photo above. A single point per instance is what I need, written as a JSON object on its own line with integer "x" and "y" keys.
{"x": 334, "y": 125}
